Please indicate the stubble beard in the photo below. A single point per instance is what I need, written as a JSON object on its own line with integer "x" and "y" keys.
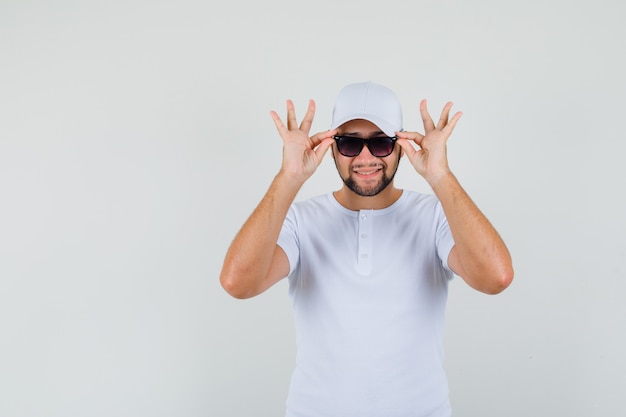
{"x": 375, "y": 189}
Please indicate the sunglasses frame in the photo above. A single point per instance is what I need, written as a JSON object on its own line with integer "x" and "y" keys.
{"x": 366, "y": 142}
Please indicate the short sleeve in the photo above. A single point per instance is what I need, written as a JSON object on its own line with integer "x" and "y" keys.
{"x": 288, "y": 239}
{"x": 444, "y": 239}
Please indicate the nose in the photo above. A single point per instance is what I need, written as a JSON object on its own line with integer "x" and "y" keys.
{"x": 365, "y": 154}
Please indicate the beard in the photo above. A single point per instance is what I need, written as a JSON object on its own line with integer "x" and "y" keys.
{"x": 373, "y": 189}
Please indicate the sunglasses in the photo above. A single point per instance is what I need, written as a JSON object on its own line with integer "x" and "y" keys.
{"x": 378, "y": 147}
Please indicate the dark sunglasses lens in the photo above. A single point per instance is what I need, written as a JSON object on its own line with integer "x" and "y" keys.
{"x": 349, "y": 146}
{"x": 381, "y": 147}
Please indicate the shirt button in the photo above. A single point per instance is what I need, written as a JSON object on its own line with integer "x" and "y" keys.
{"x": 364, "y": 256}
{"x": 363, "y": 236}
{"x": 363, "y": 217}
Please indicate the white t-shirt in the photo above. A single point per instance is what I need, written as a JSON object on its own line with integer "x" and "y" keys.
{"x": 368, "y": 290}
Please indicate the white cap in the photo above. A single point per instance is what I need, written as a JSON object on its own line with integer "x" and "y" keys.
{"x": 369, "y": 101}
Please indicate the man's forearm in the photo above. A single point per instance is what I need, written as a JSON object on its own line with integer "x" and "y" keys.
{"x": 482, "y": 258}
{"x": 249, "y": 256}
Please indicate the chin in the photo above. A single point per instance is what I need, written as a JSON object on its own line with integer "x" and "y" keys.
{"x": 369, "y": 191}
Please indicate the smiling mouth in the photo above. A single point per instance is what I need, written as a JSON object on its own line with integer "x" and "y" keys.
{"x": 367, "y": 171}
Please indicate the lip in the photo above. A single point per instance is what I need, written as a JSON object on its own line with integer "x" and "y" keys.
{"x": 367, "y": 172}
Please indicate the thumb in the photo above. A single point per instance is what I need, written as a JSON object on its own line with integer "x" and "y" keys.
{"x": 323, "y": 147}
{"x": 406, "y": 147}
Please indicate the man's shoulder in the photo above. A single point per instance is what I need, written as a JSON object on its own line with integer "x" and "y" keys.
{"x": 314, "y": 206}
{"x": 411, "y": 198}
{"x": 315, "y": 201}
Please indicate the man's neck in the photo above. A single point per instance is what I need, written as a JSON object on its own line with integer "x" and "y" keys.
{"x": 353, "y": 201}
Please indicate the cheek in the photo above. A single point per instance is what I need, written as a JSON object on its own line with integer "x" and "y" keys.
{"x": 393, "y": 161}
{"x": 343, "y": 165}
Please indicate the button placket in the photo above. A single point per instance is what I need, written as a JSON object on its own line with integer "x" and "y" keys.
{"x": 364, "y": 261}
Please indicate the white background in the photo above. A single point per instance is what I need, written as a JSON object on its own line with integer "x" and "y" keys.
{"x": 135, "y": 139}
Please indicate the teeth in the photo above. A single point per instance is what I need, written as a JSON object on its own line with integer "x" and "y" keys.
{"x": 366, "y": 172}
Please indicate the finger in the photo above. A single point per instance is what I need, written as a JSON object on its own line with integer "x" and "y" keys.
{"x": 323, "y": 147}
{"x": 409, "y": 135}
{"x": 308, "y": 118}
{"x": 428, "y": 121}
{"x": 406, "y": 145}
{"x": 453, "y": 121}
{"x": 445, "y": 114}
{"x": 292, "y": 123}
{"x": 408, "y": 149}
{"x": 278, "y": 123}
{"x": 322, "y": 136}
{"x": 414, "y": 136}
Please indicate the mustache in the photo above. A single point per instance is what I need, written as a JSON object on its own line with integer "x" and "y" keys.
{"x": 370, "y": 165}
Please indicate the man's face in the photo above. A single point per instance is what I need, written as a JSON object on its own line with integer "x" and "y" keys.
{"x": 365, "y": 174}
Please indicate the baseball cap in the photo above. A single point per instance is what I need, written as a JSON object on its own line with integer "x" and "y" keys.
{"x": 370, "y": 101}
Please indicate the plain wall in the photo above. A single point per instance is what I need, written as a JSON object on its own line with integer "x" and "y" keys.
{"x": 135, "y": 139}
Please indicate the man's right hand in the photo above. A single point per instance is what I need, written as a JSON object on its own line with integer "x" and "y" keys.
{"x": 302, "y": 154}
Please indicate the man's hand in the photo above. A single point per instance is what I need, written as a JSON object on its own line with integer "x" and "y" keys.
{"x": 301, "y": 154}
{"x": 430, "y": 160}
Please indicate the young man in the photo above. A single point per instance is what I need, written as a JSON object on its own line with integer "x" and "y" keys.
{"x": 369, "y": 264}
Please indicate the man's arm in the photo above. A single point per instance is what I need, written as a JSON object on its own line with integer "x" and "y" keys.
{"x": 254, "y": 262}
{"x": 479, "y": 256}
